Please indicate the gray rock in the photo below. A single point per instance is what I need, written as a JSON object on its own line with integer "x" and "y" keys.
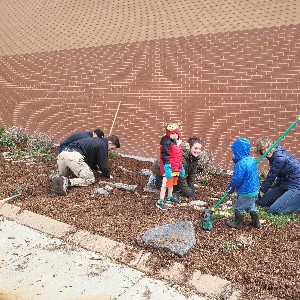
{"x": 121, "y": 186}
{"x": 146, "y": 172}
{"x": 198, "y": 203}
{"x": 177, "y": 238}
{"x": 100, "y": 191}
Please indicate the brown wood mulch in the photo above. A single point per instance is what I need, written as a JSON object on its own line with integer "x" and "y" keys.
{"x": 264, "y": 264}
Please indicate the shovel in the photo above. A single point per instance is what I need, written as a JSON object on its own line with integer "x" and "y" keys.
{"x": 9, "y": 198}
{"x": 208, "y": 212}
{"x": 17, "y": 191}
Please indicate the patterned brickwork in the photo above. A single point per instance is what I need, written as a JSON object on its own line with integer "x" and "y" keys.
{"x": 30, "y": 26}
{"x": 219, "y": 86}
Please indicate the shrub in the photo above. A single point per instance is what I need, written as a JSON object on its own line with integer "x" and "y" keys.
{"x": 5, "y": 138}
{"x": 206, "y": 164}
{"x": 40, "y": 140}
{"x": 17, "y": 134}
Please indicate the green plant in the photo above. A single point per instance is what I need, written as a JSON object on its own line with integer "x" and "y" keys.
{"x": 17, "y": 134}
{"x": 5, "y": 140}
{"x": 38, "y": 151}
{"x": 203, "y": 180}
{"x": 50, "y": 158}
{"x": 13, "y": 136}
{"x": 228, "y": 247}
{"x": 40, "y": 140}
{"x": 30, "y": 152}
{"x": 217, "y": 216}
{"x": 17, "y": 152}
{"x": 278, "y": 220}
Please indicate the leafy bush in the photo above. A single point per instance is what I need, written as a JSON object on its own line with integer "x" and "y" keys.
{"x": 37, "y": 144}
{"x": 17, "y": 134}
{"x": 5, "y": 139}
{"x": 40, "y": 140}
{"x": 206, "y": 164}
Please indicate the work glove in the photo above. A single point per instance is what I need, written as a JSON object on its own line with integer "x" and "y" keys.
{"x": 168, "y": 171}
{"x": 192, "y": 193}
{"x": 230, "y": 190}
{"x": 182, "y": 173}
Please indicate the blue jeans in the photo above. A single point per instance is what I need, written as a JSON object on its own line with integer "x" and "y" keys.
{"x": 245, "y": 204}
{"x": 280, "y": 201}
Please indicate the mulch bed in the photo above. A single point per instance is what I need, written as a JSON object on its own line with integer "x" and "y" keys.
{"x": 264, "y": 264}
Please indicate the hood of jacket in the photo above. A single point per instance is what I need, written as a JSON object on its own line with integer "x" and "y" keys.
{"x": 240, "y": 149}
{"x": 165, "y": 138}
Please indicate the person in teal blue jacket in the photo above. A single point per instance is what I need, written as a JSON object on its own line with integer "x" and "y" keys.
{"x": 245, "y": 181}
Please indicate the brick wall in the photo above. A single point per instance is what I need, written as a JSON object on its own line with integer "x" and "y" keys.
{"x": 219, "y": 86}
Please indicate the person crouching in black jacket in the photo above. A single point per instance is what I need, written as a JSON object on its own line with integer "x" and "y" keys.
{"x": 83, "y": 157}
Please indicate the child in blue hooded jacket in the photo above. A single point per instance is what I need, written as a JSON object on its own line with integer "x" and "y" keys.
{"x": 245, "y": 180}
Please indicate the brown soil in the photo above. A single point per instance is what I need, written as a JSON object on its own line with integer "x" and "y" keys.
{"x": 263, "y": 263}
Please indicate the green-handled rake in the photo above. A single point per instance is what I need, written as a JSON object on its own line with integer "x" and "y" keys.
{"x": 208, "y": 213}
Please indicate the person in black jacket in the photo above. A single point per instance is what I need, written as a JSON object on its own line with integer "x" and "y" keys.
{"x": 83, "y": 157}
{"x": 79, "y": 135}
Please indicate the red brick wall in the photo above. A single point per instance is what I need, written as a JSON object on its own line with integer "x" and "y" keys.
{"x": 219, "y": 86}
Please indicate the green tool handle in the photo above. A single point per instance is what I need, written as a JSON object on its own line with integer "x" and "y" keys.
{"x": 261, "y": 158}
{"x": 277, "y": 141}
{"x": 219, "y": 202}
{"x": 9, "y": 198}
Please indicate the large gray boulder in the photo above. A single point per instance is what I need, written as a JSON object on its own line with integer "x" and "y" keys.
{"x": 177, "y": 238}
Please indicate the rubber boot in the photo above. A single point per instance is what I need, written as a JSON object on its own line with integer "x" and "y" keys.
{"x": 237, "y": 222}
{"x": 254, "y": 220}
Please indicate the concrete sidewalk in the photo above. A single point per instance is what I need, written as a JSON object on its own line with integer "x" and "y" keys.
{"x": 36, "y": 266}
{"x": 41, "y": 258}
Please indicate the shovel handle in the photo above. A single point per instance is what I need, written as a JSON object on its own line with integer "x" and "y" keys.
{"x": 278, "y": 140}
{"x": 9, "y": 198}
{"x": 113, "y": 123}
{"x": 219, "y": 202}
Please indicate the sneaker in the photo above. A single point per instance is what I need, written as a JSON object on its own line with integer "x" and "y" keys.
{"x": 161, "y": 204}
{"x": 60, "y": 185}
{"x": 173, "y": 200}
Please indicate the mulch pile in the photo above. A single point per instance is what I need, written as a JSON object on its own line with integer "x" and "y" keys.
{"x": 264, "y": 264}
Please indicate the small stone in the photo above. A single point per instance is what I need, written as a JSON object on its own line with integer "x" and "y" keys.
{"x": 198, "y": 203}
{"x": 146, "y": 172}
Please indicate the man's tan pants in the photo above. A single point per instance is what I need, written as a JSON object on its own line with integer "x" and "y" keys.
{"x": 75, "y": 162}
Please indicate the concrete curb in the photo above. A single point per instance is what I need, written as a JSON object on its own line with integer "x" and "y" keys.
{"x": 206, "y": 285}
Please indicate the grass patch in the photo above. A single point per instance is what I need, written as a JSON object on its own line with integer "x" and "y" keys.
{"x": 279, "y": 221}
